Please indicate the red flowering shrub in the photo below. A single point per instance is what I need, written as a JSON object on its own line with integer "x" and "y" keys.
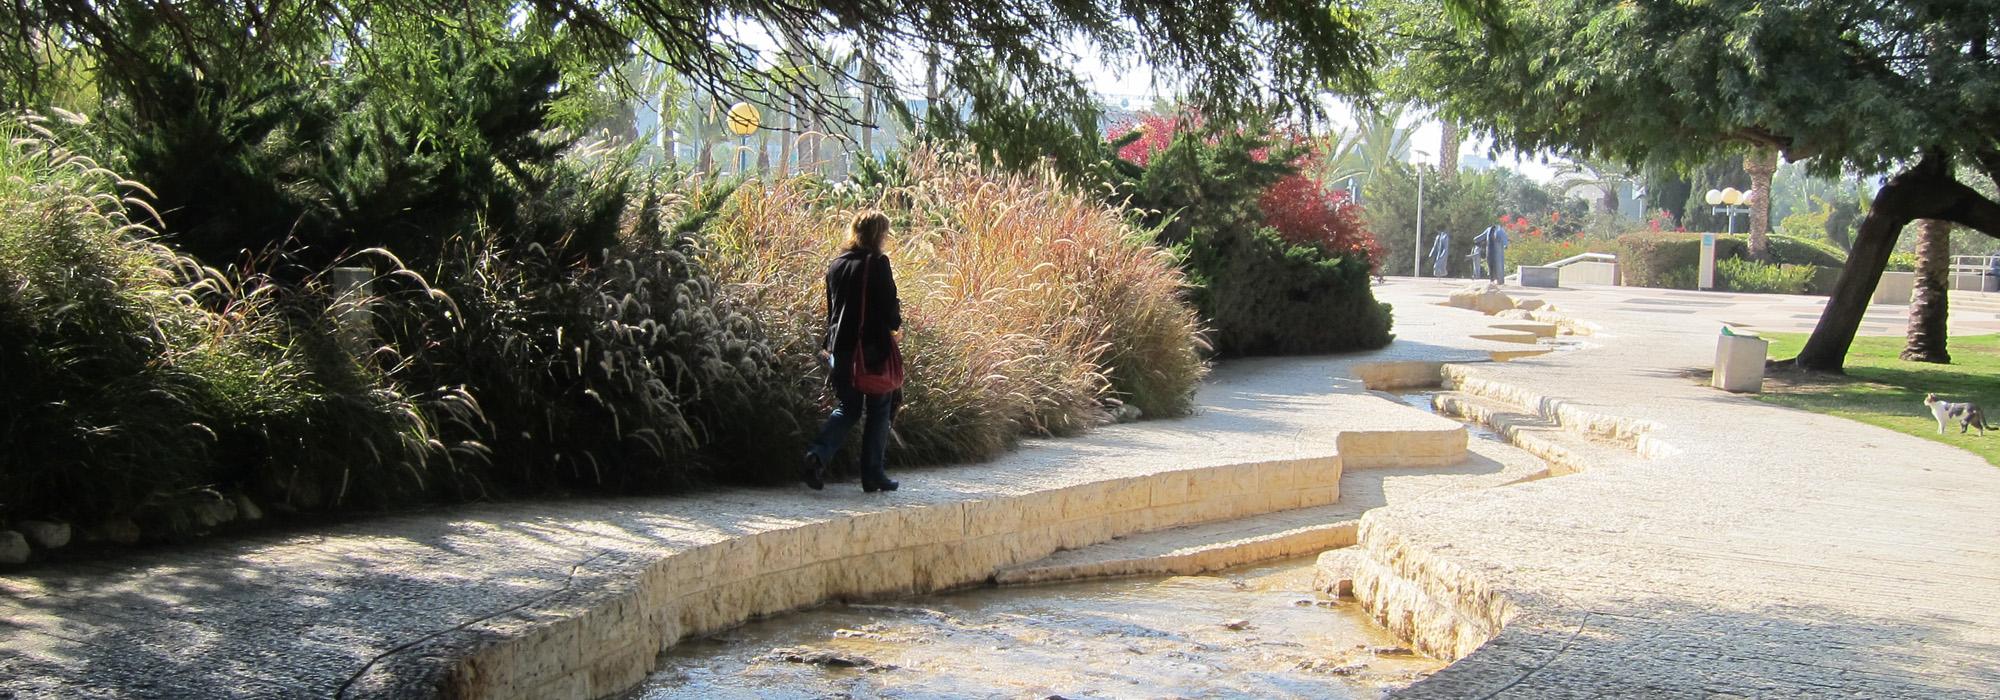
{"x": 1305, "y": 213}
{"x": 1158, "y": 132}
{"x": 1302, "y": 209}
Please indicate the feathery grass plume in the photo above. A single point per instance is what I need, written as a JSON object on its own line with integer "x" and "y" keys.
{"x": 132, "y": 381}
{"x": 1026, "y": 302}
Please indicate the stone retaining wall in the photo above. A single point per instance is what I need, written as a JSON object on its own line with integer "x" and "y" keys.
{"x": 611, "y": 643}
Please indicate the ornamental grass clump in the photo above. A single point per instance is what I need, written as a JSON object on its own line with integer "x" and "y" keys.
{"x": 136, "y": 384}
{"x": 1026, "y": 304}
{"x": 615, "y": 369}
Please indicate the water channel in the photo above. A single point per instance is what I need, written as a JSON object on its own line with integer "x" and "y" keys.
{"x": 1254, "y": 632}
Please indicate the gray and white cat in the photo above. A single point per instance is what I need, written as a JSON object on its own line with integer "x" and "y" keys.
{"x": 1967, "y": 414}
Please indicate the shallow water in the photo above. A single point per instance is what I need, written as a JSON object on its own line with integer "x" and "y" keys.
{"x": 1473, "y": 429}
{"x": 1253, "y": 632}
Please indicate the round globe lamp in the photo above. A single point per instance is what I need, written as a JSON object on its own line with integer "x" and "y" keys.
{"x": 1714, "y": 198}
{"x": 744, "y": 119}
{"x": 1732, "y": 196}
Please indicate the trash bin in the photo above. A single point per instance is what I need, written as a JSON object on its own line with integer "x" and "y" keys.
{"x": 1739, "y": 362}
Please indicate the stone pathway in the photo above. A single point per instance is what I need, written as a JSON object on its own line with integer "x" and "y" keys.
{"x": 1764, "y": 552}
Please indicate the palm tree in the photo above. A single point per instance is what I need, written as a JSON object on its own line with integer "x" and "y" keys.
{"x": 1448, "y": 142}
{"x": 1605, "y": 178}
{"x": 1760, "y": 164}
{"x": 1929, "y": 299}
{"x": 1361, "y": 152}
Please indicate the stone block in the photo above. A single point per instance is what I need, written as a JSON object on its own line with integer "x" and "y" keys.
{"x": 1129, "y": 494}
{"x": 1083, "y": 501}
{"x": 933, "y": 524}
{"x": 1041, "y": 508}
{"x": 1319, "y": 471}
{"x": 1204, "y": 484}
{"x": 826, "y": 541}
{"x": 1894, "y": 288}
{"x": 1543, "y": 276}
{"x": 998, "y": 516}
{"x": 1319, "y": 496}
{"x": 44, "y": 534}
{"x": 1131, "y": 521}
{"x": 778, "y": 550}
{"x": 1594, "y": 273}
{"x": 1170, "y": 488}
{"x": 1739, "y": 363}
{"x": 879, "y": 532}
{"x": 1282, "y": 475}
{"x": 1483, "y": 297}
{"x": 13, "y": 547}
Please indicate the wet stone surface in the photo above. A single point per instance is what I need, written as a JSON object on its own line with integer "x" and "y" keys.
{"x": 1253, "y": 632}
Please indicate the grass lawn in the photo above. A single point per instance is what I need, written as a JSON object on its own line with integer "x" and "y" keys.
{"x": 1881, "y": 390}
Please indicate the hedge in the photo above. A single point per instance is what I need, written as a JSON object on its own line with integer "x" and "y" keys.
{"x": 1669, "y": 260}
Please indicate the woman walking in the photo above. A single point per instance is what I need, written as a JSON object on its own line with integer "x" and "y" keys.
{"x": 862, "y": 315}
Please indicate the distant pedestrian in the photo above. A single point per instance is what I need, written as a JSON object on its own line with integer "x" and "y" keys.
{"x": 1491, "y": 244}
{"x": 1441, "y": 254}
{"x": 863, "y": 315}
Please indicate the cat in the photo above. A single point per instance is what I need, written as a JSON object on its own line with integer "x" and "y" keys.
{"x": 1968, "y": 414}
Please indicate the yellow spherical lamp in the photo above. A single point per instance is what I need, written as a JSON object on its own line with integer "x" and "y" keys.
{"x": 1732, "y": 196}
{"x": 744, "y": 119}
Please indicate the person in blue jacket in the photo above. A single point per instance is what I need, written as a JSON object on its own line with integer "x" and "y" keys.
{"x": 1441, "y": 254}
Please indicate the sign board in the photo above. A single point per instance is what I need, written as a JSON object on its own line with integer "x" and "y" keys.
{"x": 1707, "y": 272}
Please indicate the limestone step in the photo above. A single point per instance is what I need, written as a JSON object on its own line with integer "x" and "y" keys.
{"x": 1566, "y": 451}
{"x": 1220, "y": 545}
{"x": 1542, "y": 330}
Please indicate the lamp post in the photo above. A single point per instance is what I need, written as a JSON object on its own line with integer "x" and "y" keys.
{"x": 1416, "y": 251}
{"x": 1729, "y": 201}
{"x": 743, "y": 121}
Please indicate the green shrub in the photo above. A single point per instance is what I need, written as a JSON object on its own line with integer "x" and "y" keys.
{"x": 137, "y": 384}
{"x": 1657, "y": 259}
{"x": 1740, "y": 275}
{"x": 1267, "y": 297}
{"x": 1259, "y": 294}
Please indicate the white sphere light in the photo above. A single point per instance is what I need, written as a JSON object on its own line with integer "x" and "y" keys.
{"x": 1732, "y": 196}
{"x": 1714, "y": 197}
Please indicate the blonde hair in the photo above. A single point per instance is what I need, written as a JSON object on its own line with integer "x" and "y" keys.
{"x": 868, "y": 230}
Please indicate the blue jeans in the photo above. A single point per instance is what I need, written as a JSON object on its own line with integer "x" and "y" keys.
{"x": 874, "y": 437}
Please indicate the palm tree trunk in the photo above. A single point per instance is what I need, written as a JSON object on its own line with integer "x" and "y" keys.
{"x": 1761, "y": 164}
{"x": 1925, "y": 341}
{"x": 1448, "y": 151}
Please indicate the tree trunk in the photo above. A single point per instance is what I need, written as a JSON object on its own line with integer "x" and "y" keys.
{"x": 1448, "y": 140}
{"x": 868, "y": 93}
{"x": 931, "y": 92}
{"x": 764, "y": 152}
{"x": 1929, "y": 300}
{"x": 706, "y": 160}
{"x": 1761, "y": 165}
{"x": 1609, "y": 197}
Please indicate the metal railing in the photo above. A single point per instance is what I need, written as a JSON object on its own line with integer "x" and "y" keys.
{"x": 1975, "y": 264}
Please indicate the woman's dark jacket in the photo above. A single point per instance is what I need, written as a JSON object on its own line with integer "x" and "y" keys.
{"x": 843, "y": 310}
